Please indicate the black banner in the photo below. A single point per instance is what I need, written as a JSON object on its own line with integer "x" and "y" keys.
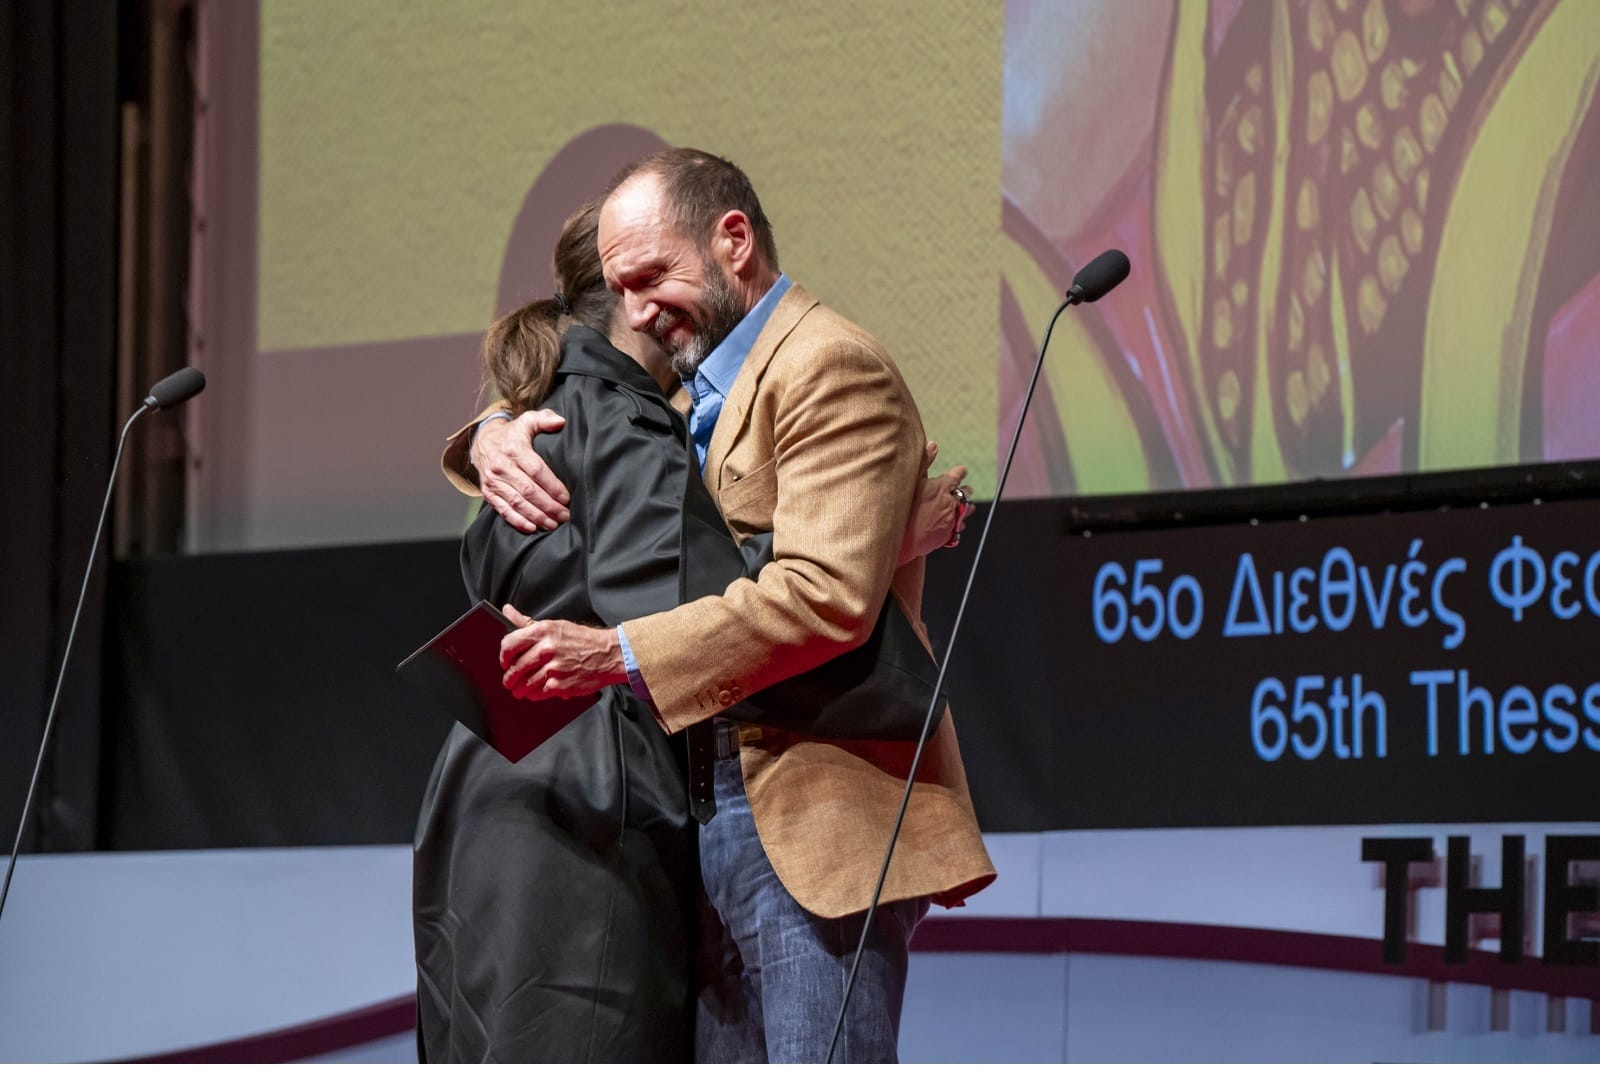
{"x": 253, "y": 698}
{"x": 1390, "y": 668}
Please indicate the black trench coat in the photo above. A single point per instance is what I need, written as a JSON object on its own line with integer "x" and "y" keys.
{"x": 554, "y": 898}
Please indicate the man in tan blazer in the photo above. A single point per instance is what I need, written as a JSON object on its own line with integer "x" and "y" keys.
{"x": 805, "y": 428}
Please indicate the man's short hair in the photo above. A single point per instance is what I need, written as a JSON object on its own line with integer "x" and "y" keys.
{"x": 700, "y": 188}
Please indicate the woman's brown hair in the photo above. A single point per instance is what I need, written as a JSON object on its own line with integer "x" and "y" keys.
{"x": 522, "y": 349}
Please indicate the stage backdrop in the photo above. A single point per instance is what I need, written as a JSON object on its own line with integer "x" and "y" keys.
{"x": 1365, "y": 234}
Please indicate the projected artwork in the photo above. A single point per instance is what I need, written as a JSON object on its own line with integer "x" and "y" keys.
{"x": 1364, "y": 232}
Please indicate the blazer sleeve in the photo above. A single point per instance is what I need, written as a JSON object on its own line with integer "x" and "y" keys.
{"x": 456, "y": 462}
{"x": 847, "y": 457}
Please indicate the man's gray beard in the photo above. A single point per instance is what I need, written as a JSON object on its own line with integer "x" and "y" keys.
{"x": 723, "y": 312}
{"x": 687, "y": 359}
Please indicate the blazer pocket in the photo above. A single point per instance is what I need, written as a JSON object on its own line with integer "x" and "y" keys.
{"x": 750, "y": 493}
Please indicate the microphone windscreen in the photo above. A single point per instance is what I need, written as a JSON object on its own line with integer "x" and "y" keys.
{"x": 175, "y": 388}
{"x": 1100, "y": 275}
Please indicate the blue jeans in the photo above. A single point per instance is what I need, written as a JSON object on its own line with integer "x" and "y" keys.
{"x": 771, "y": 973}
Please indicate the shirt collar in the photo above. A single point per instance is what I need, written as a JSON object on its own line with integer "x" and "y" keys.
{"x": 719, "y": 369}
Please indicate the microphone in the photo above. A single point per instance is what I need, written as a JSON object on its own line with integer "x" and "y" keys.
{"x": 170, "y": 391}
{"x": 185, "y": 384}
{"x": 1098, "y": 277}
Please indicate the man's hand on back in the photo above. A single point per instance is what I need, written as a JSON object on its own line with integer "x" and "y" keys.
{"x": 514, "y": 479}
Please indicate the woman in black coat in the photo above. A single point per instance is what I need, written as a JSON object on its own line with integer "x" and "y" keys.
{"x": 554, "y": 898}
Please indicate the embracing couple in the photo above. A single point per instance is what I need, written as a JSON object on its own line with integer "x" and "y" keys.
{"x": 683, "y": 871}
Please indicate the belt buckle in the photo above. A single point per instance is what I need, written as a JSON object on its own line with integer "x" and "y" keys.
{"x": 727, "y": 734}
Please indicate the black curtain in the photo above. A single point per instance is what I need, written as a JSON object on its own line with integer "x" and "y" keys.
{"x": 251, "y": 699}
{"x": 58, "y": 270}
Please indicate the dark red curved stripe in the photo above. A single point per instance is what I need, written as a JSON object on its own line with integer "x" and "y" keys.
{"x": 1243, "y": 944}
{"x": 1025, "y": 936}
{"x": 315, "y": 1038}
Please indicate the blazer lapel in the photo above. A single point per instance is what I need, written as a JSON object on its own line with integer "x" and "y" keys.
{"x": 736, "y": 410}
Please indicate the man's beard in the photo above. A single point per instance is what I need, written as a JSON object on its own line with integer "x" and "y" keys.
{"x": 715, "y": 320}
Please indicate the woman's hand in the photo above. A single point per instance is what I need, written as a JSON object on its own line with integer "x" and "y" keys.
{"x": 938, "y": 513}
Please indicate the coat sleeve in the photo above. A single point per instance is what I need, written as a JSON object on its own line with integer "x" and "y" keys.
{"x": 633, "y": 484}
{"x": 543, "y": 573}
{"x": 847, "y": 454}
{"x": 618, "y": 555}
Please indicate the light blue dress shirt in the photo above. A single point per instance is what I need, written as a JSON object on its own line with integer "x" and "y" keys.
{"x": 708, "y": 390}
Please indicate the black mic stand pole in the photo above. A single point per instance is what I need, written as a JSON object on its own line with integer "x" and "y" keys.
{"x": 49, "y": 720}
{"x": 1074, "y": 295}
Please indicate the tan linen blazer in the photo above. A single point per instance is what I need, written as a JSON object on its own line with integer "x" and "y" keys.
{"x": 456, "y": 462}
{"x": 821, "y": 443}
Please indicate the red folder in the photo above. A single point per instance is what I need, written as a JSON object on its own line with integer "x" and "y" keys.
{"x": 460, "y": 670}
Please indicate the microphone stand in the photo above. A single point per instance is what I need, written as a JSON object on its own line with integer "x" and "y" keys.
{"x": 49, "y": 721}
{"x": 1075, "y": 295}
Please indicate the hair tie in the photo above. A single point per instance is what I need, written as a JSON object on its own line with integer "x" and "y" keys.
{"x": 563, "y": 305}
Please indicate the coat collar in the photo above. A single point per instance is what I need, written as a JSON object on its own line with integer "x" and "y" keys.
{"x": 586, "y": 352}
{"x": 794, "y": 306}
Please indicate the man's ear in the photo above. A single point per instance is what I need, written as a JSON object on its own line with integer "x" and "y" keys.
{"x": 735, "y": 238}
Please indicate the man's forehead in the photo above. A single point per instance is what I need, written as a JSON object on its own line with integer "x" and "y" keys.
{"x": 633, "y": 225}
{"x": 636, "y": 205}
